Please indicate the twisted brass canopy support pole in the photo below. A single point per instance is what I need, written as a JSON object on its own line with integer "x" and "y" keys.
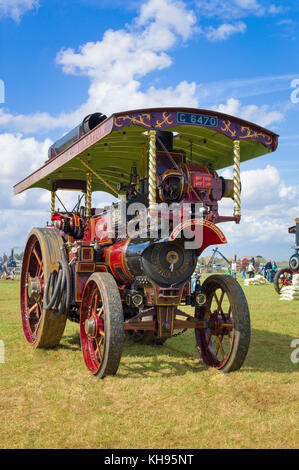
{"x": 237, "y": 179}
{"x": 88, "y": 194}
{"x": 53, "y": 196}
{"x": 152, "y": 170}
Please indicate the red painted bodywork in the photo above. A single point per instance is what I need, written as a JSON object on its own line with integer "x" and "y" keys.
{"x": 199, "y": 185}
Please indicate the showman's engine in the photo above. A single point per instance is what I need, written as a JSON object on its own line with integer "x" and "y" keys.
{"x": 129, "y": 267}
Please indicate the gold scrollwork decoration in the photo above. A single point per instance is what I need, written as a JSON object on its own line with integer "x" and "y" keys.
{"x": 165, "y": 120}
{"x": 249, "y": 133}
{"x": 227, "y": 124}
{"x": 139, "y": 120}
{"x": 245, "y": 133}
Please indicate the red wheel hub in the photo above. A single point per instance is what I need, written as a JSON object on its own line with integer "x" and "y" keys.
{"x": 34, "y": 287}
{"x": 219, "y": 323}
{"x": 93, "y": 325}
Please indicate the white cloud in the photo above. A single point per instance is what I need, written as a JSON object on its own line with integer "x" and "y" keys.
{"x": 260, "y": 185}
{"x": 15, "y": 9}
{"x": 118, "y": 62}
{"x": 33, "y": 123}
{"x": 224, "y": 31}
{"x": 18, "y": 214}
{"x": 259, "y": 115}
{"x": 268, "y": 208}
{"x": 125, "y": 54}
{"x": 246, "y": 87}
{"x": 169, "y": 15}
{"x": 21, "y": 155}
{"x": 232, "y": 9}
{"x": 116, "y": 72}
{"x": 275, "y": 10}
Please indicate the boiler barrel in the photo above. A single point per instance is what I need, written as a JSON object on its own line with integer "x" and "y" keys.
{"x": 165, "y": 263}
{"x": 88, "y": 123}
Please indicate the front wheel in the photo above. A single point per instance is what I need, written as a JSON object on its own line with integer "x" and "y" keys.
{"x": 101, "y": 325}
{"x": 225, "y": 343}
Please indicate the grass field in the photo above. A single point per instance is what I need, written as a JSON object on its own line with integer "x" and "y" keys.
{"x": 162, "y": 397}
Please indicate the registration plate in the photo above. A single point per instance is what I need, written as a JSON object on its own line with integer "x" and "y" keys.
{"x": 197, "y": 119}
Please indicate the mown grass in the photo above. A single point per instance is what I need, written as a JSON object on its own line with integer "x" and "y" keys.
{"x": 162, "y": 397}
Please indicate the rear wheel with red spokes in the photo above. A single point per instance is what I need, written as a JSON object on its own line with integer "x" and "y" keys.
{"x": 101, "y": 325}
{"x": 283, "y": 278}
{"x": 225, "y": 343}
{"x": 41, "y": 328}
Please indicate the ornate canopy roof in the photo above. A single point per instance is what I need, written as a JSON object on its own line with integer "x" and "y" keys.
{"x": 113, "y": 146}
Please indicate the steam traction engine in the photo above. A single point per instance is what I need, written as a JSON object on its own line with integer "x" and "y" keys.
{"x": 127, "y": 268}
{"x": 284, "y": 277}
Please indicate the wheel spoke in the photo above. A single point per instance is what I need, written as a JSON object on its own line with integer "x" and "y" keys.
{"x": 96, "y": 312}
{"x": 99, "y": 346}
{"x": 32, "y": 308}
{"x": 219, "y": 302}
{"x": 216, "y": 298}
{"x": 100, "y": 312}
{"x": 38, "y": 323}
{"x": 218, "y": 345}
{"x": 37, "y": 257}
{"x": 221, "y": 347}
{"x": 94, "y": 304}
{"x": 39, "y": 269}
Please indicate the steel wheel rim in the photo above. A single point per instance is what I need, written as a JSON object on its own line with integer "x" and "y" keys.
{"x": 31, "y": 306}
{"x": 93, "y": 345}
{"x": 215, "y": 343}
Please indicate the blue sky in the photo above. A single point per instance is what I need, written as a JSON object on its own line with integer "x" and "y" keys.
{"x": 60, "y": 60}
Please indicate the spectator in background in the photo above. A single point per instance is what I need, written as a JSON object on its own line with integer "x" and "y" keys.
{"x": 234, "y": 269}
{"x": 274, "y": 270}
{"x": 243, "y": 271}
{"x": 268, "y": 270}
{"x": 251, "y": 270}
